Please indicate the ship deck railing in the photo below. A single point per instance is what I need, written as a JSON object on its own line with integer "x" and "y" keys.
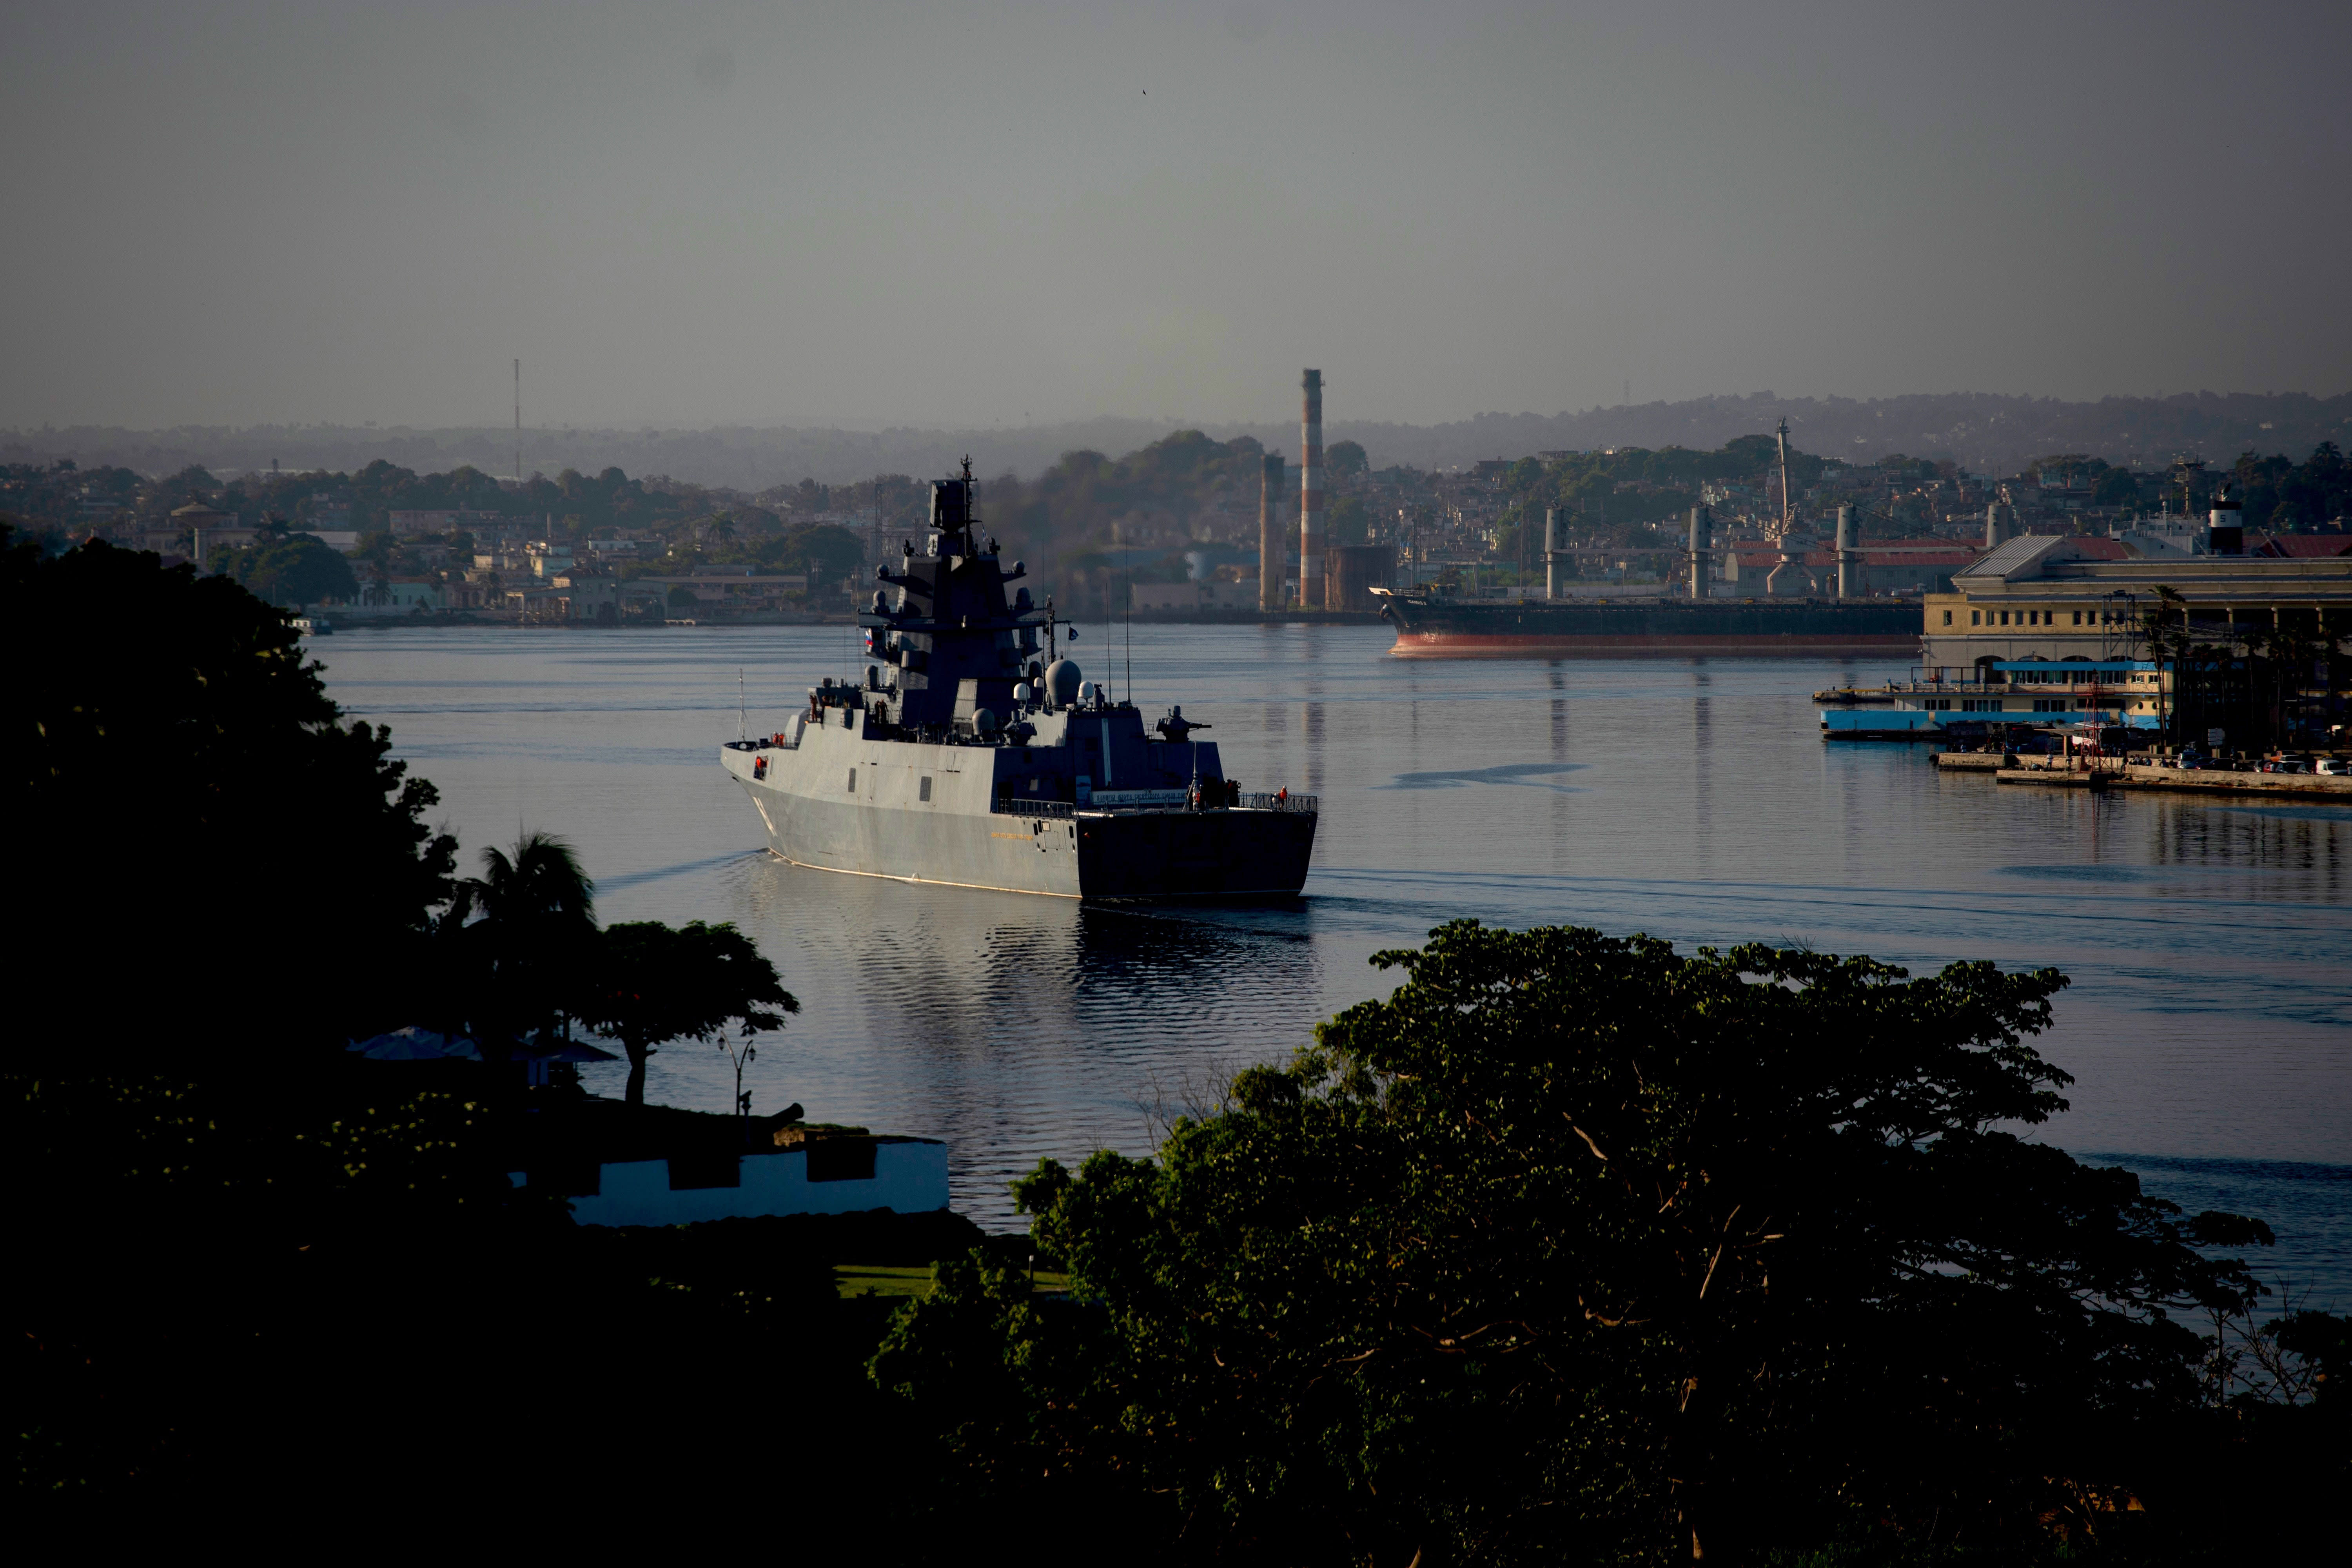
{"x": 1015, "y": 806}
{"x": 1996, "y": 687}
{"x": 1311, "y": 804}
{"x": 1009, "y": 806}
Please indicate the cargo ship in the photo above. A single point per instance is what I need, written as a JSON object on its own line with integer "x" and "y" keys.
{"x": 975, "y": 755}
{"x": 1433, "y": 627}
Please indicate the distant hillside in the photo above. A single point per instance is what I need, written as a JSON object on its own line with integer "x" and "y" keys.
{"x": 1981, "y": 431}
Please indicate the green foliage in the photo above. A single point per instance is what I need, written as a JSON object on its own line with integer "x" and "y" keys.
{"x": 181, "y": 773}
{"x": 825, "y": 550}
{"x": 1660, "y": 485}
{"x": 1059, "y": 519}
{"x": 515, "y": 945}
{"x": 2291, "y": 497}
{"x": 649, "y": 983}
{"x": 1578, "y": 1249}
{"x": 1348, "y": 522}
{"x": 292, "y": 572}
{"x": 1345, "y": 458}
{"x": 2115, "y": 488}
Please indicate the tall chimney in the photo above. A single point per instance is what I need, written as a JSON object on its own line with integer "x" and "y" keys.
{"x": 1551, "y": 552}
{"x": 1788, "y": 503}
{"x": 1269, "y": 532}
{"x": 1847, "y": 557}
{"x": 1993, "y": 525}
{"x": 1310, "y": 492}
{"x": 1701, "y": 543}
{"x": 2225, "y": 530}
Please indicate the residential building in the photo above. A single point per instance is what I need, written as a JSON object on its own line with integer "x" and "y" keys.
{"x": 204, "y": 529}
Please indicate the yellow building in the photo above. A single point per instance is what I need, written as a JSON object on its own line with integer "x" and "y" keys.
{"x": 2047, "y": 598}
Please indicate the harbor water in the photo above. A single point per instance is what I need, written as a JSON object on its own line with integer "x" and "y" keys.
{"x": 2208, "y": 1025}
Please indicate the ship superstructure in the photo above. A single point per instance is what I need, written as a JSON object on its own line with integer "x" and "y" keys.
{"x": 976, "y": 754}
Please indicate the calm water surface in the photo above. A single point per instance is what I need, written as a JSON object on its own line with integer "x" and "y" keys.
{"x": 2209, "y": 1027}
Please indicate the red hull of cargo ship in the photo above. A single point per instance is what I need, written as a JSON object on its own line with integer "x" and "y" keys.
{"x": 1474, "y": 645}
{"x": 1431, "y": 626}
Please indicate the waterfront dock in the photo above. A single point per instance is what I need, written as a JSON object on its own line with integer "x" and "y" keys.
{"x": 2113, "y": 774}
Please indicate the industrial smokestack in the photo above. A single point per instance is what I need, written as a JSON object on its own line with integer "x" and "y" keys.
{"x": 1701, "y": 546}
{"x": 1788, "y": 505}
{"x": 1847, "y": 558}
{"x": 1269, "y": 532}
{"x": 2225, "y": 531}
{"x": 1993, "y": 531}
{"x": 1551, "y": 552}
{"x": 1310, "y": 492}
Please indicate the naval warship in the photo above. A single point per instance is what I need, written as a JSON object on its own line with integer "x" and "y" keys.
{"x": 976, "y": 754}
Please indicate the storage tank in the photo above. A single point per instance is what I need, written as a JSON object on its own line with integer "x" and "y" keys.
{"x": 1270, "y": 573}
{"x": 1355, "y": 570}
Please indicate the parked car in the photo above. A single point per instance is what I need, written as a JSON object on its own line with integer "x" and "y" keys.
{"x": 2285, "y": 765}
{"x": 2338, "y": 765}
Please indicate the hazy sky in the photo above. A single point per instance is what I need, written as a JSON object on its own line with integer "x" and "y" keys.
{"x": 956, "y": 213}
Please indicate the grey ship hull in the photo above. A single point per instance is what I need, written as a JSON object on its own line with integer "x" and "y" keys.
{"x": 927, "y": 813}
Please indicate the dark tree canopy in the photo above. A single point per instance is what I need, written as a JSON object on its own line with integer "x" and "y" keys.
{"x": 1579, "y": 1250}
{"x": 292, "y": 572}
{"x": 652, "y": 983}
{"x": 195, "y": 819}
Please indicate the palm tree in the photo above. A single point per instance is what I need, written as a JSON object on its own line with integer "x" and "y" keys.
{"x": 2164, "y": 646}
{"x": 537, "y": 925}
{"x": 540, "y": 881}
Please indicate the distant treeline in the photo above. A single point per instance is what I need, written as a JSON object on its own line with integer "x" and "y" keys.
{"x": 1981, "y": 431}
{"x": 1087, "y": 525}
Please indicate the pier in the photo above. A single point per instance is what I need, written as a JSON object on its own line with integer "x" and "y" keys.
{"x": 2119, "y": 776}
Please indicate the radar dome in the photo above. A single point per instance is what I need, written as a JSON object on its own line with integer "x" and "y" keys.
{"x": 1062, "y": 682}
{"x": 1022, "y": 695}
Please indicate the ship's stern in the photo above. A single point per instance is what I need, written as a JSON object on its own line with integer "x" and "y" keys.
{"x": 1216, "y": 854}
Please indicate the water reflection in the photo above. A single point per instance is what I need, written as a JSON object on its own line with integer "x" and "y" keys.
{"x": 2209, "y": 1017}
{"x": 1018, "y": 1027}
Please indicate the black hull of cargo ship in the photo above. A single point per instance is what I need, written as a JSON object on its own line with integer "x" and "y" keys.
{"x": 1666, "y": 628}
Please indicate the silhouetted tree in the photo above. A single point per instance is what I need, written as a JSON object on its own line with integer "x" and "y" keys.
{"x": 1576, "y": 1250}
{"x": 650, "y": 984}
{"x": 198, "y": 819}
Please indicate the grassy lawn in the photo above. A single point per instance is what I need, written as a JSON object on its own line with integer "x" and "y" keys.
{"x": 859, "y": 1279}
